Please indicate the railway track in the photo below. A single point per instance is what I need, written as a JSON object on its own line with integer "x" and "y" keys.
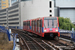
{"x": 40, "y": 44}
{"x": 33, "y": 44}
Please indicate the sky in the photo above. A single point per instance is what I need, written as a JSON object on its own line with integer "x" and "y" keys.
{"x": 12, "y": 1}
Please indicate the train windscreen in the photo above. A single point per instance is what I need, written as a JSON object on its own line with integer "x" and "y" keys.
{"x": 50, "y": 22}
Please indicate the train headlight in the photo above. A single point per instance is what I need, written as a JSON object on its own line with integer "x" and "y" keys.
{"x": 45, "y": 30}
{"x": 56, "y": 30}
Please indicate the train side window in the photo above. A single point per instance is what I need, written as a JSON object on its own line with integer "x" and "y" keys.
{"x": 29, "y": 23}
{"x": 37, "y": 23}
{"x": 40, "y": 23}
{"x": 32, "y": 23}
{"x": 23, "y": 23}
{"x": 26, "y": 23}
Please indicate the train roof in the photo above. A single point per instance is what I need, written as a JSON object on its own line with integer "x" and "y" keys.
{"x": 41, "y": 18}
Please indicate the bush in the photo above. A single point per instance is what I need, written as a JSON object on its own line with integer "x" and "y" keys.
{"x": 65, "y": 23}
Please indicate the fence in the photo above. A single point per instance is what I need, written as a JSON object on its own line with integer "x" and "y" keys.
{"x": 72, "y": 34}
{"x": 14, "y": 41}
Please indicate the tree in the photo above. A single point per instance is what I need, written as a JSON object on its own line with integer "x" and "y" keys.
{"x": 65, "y": 23}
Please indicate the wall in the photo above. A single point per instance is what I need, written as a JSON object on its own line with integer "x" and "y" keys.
{"x": 35, "y": 9}
{"x": 5, "y": 4}
{"x": 65, "y": 3}
{"x": 3, "y": 17}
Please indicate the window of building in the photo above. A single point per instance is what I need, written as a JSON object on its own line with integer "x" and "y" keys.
{"x": 4, "y": 6}
{"x": 3, "y": 0}
{"x": 50, "y": 10}
{"x": 4, "y": 3}
{"x": 50, "y": 15}
{"x": 50, "y": 3}
{"x": 24, "y": 0}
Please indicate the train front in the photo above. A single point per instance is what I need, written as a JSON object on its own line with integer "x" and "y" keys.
{"x": 51, "y": 27}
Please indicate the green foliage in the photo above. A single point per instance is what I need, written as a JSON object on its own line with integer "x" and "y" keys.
{"x": 65, "y": 23}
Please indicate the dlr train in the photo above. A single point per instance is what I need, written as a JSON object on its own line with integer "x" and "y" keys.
{"x": 44, "y": 27}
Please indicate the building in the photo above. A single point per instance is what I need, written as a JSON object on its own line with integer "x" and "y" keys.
{"x": 4, "y": 4}
{"x": 14, "y": 16}
{"x": 66, "y": 8}
{"x": 17, "y": 13}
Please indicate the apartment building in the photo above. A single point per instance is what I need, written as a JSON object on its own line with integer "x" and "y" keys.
{"x": 4, "y": 4}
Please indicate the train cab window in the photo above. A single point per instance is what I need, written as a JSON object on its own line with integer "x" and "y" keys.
{"x": 45, "y": 23}
{"x": 55, "y": 24}
{"x": 50, "y": 23}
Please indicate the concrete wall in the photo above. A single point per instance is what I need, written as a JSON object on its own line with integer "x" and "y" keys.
{"x": 68, "y": 13}
{"x": 13, "y": 16}
{"x": 35, "y": 9}
{"x": 10, "y": 17}
{"x": 65, "y": 3}
{"x": 4, "y": 4}
{"x": 67, "y": 9}
{"x": 3, "y": 17}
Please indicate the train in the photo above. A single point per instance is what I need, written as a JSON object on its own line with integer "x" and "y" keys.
{"x": 44, "y": 27}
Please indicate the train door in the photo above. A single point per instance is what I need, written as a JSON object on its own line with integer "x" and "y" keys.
{"x": 28, "y": 24}
{"x": 23, "y": 25}
{"x": 35, "y": 26}
{"x": 39, "y": 26}
{"x": 31, "y": 25}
